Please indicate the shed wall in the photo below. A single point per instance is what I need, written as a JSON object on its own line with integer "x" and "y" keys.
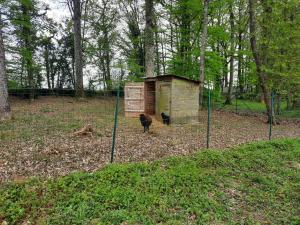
{"x": 185, "y": 101}
{"x": 162, "y": 98}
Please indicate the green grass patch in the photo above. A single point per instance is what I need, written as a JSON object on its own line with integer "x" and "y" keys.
{"x": 291, "y": 114}
{"x": 247, "y": 105}
{"x": 256, "y": 183}
{"x": 255, "y": 107}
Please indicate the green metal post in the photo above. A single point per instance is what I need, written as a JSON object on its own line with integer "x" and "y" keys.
{"x": 208, "y": 118}
{"x": 115, "y": 126}
{"x": 271, "y": 116}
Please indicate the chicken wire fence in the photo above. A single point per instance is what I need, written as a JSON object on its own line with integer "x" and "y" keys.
{"x": 215, "y": 126}
{"x": 57, "y": 133}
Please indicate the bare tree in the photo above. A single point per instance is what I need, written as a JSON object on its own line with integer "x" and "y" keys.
{"x": 149, "y": 39}
{"x": 202, "y": 53}
{"x": 5, "y": 112}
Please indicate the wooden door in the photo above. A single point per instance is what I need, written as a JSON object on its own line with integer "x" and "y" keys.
{"x": 134, "y": 99}
{"x": 164, "y": 98}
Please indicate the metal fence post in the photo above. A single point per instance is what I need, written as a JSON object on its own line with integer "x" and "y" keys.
{"x": 271, "y": 116}
{"x": 208, "y": 118}
{"x": 115, "y": 126}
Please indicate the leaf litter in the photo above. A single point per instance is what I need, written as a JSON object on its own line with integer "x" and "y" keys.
{"x": 57, "y": 136}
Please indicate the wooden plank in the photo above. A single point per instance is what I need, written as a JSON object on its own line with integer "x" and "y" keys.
{"x": 134, "y": 99}
{"x": 135, "y": 111}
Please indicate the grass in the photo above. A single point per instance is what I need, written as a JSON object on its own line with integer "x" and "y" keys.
{"x": 258, "y": 107}
{"x": 253, "y": 184}
{"x": 247, "y": 105}
{"x": 291, "y": 114}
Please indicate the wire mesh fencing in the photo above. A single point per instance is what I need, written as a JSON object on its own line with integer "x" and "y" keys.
{"x": 214, "y": 126}
{"x": 57, "y": 133}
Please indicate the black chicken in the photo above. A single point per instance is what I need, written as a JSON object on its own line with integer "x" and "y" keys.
{"x": 165, "y": 118}
{"x": 146, "y": 121}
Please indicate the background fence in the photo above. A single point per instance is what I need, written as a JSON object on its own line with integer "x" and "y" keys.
{"x": 57, "y": 133}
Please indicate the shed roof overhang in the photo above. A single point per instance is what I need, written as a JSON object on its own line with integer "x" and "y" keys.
{"x": 169, "y": 77}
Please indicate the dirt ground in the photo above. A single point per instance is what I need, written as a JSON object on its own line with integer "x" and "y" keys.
{"x": 40, "y": 140}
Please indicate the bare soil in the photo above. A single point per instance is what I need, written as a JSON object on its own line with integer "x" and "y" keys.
{"x": 40, "y": 140}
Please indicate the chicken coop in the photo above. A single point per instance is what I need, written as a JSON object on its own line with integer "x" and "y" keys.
{"x": 176, "y": 96}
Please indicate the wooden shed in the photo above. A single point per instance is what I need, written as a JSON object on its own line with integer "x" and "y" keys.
{"x": 176, "y": 96}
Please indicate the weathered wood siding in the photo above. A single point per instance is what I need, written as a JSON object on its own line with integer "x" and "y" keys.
{"x": 163, "y": 98}
{"x": 185, "y": 100}
{"x": 150, "y": 97}
{"x": 176, "y": 97}
{"x": 134, "y": 99}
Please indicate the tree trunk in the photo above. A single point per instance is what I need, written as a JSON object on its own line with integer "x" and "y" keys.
{"x": 46, "y": 55}
{"x": 225, "y": 72}
{"x": 108, "y": 75}
{"x": 240, "y": 48}
{"x": 232, "y": 51}
{"x": 149, "y": 39}
{"x": 59, "y": 81}
{"x": 172, "y": 34}
{"x": 218, "y": 79}
{"x": 202, "y": 54}
{"x": 258, "y": 61}
{"x": 240, "y": 63}
{"x": 163, "y": 55}
{"x": 289, "y": 101}
{"x": 22, "y": 74}
{"x": 107, "y": 60}
{"x": 78, "y": 49}
{"x": 73, "y": 71}
{"x": 4, "y": 103}
{"x": 157, "y": 52}
{"x": 226, "y": 83}
{"x": 278, "y": 104}
{"x": 52, "y": 71}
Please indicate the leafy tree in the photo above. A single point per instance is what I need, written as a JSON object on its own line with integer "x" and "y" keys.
{"x": 24, "y": 14}
{"x": 103, "y": 18}
{"x": 4, "y": 103}
{"x": 132, "y": 41}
